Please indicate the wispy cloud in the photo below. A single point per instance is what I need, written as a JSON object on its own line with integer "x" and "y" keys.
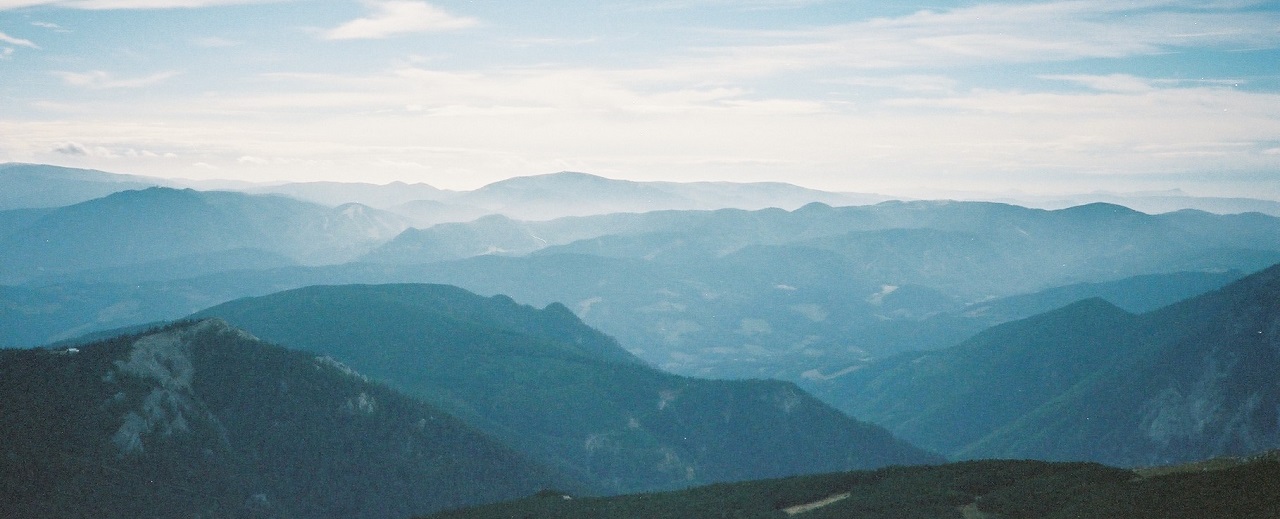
{"x": 17, "y": 41}
{"x": 1107, "y": 83}
{"x": 395, "y": 17}
{"x": 125, "y": 4}
{"x": 77, "y": 149}
{"x": 51, "y": 26}
{"x": 994, "y": 33}
{"x": 99, "y": 79}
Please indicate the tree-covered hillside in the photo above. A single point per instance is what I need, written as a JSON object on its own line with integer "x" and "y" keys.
{"x": 545, "y": 383}
{"x": 1089, "y": 381}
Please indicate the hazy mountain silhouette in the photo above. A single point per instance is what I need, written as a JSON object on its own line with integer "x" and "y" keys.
{"x": 139, "y": 227}
{"x": 555, "y": 195}
{"x": 493, "y": 234}
{"x": 425, "y": 213}
{"x": 770, "y": 293}
{"x": 25, "y": 186}
{"x": 820, "y": 287}
{"x": 333, "y": 194}
{"x": 969, "y": 250}
{"x": 201, "y": 419}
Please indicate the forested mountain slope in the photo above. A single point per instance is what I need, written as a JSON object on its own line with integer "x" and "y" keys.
{"x": 199, "y": 419}
{"x": 544, "y": 382}
{"x": 1192, "y": 380}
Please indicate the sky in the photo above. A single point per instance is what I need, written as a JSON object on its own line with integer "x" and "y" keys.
{"x": 1042, "y": 97}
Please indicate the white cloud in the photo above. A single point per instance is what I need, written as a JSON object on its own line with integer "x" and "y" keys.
{"x": 76, "y": 149}
{"x": 98, "y": 79}
{"x": 394, "y": 17}
{"x": 51, "y": 26}
{"x": 17, "y": 41}
{"x": 1110, "y": 83}
{"x": 71, "y": 148}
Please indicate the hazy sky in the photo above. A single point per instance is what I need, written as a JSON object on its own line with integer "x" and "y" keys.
{"x": 1056, "y": 96}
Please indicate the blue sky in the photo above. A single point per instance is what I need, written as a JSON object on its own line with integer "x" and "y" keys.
{"x": 890, "y": 97}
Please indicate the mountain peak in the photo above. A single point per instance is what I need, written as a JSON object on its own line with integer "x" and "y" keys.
{"x": 1100, "y": 209}
{"x": 560, "y": 178}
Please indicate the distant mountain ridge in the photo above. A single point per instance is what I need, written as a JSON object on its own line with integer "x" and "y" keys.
{"x": 766, "y": 293}
{"x": 34, "y": 186}
{"x": 838, "y": 284}
{"x": 201, "y": 419}
{"x": 45, "y": 186}
{"x": 131, "y": 228}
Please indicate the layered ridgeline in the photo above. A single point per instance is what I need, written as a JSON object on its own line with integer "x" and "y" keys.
{"x": 1236, "y": 488}
{"x": 1092, "y": 382}
{"x": 545, "y": 383}
{"x": 164, "y": 233}
{"x": 779, "y": 294}
{"x": 969, "y": 250}
{"x": 728, "y": 293}
{"x": 199, "y": 419}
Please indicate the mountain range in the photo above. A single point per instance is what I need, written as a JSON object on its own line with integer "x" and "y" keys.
{"x": 572, "y": 336}
{"x": 726, "y": 293}
{"x": 45, "y": 186}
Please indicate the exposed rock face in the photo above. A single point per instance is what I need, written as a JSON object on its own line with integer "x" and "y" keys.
{"x": 162, "y": 361}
